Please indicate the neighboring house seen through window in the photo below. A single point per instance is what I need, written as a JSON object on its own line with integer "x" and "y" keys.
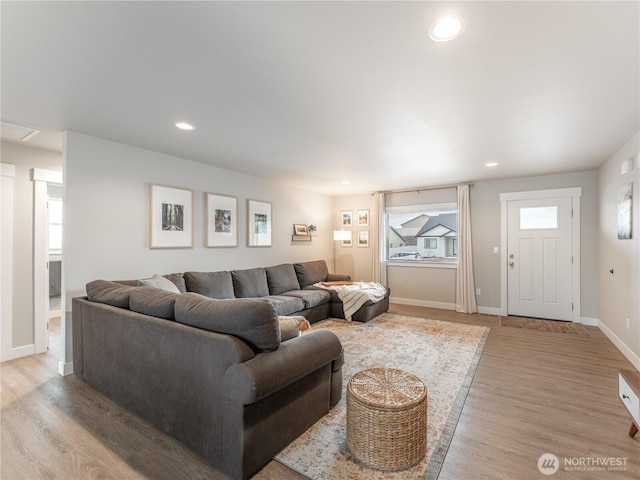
{"x": 423, "y": 233}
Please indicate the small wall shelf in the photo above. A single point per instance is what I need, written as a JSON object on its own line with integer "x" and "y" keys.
{"x": 300, "y": 238}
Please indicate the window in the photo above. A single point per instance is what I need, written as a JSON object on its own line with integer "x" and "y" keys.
{"x": 422, "y": 234}
{"x": 55, "y": 226}
{"x": 535, "y": 218}
{"x": 431, "y": 243}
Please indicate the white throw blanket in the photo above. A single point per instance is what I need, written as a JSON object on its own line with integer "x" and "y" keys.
{"x": 353, "y": 296}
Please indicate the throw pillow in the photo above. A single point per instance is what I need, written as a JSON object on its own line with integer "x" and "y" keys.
{"x": 291, "y": 327}
{"x": 159, "y": 282}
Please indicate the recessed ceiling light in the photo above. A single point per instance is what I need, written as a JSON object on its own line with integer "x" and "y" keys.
{"x": 491, "y": 164}
{"x": 447, "y": 28}
{"x": 345, "y": 182}
{"x": 185, "y": 126}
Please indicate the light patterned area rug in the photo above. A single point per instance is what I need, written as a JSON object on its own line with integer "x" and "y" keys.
{"x": 443, "y": 355}
{"x": 543, "y": 325}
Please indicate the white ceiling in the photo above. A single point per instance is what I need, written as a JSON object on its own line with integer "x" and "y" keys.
{"x": 311, "y": 93}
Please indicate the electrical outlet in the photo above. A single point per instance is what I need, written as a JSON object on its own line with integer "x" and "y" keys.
{"x": 627, "y": 324}
{"x": 478, "y": 292}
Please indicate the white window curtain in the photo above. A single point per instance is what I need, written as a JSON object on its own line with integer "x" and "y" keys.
{"x": 379, "y": 261}
{"x": 465, "y": 286}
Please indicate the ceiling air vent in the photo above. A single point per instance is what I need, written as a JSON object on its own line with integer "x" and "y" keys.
{"x": 17, "y": 132}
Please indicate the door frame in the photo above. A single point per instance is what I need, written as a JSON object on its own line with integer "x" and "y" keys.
{"x": 41, "y": 179}
{"x": 574, "y": 193}
{"x": 7, "y": 174}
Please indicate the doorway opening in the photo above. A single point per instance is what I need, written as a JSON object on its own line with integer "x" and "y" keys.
{"x": 47, "y": 203}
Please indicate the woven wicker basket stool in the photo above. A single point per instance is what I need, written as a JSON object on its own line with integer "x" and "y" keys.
{"x": 387, "y": 418}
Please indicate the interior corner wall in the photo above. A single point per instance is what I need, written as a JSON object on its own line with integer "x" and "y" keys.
{"x": 354, "y": 260}
{"x": 106, "y": 211}
{"x": 25, "y": 158}
{"x": 436, "y": 286}
{"x": 619, "y": 299}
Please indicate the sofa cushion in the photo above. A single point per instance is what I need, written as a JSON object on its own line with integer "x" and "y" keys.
{"x": 311, "y": 272}
{"x": 311, "y": 297}
{"x": 159, "y": 282}
{"x": 111, "y": 293}
{"x": 282, "y": 278}
{"x": 285, "y": 305}
{"x": 252, "y": 320}
{"x": 210, "y": 284}
{"x": 153, "y": 301}
{"x": 250, "y": 283}
{"x": 178, "y": 281}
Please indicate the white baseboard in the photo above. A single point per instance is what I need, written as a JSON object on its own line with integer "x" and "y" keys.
{"x": 441, "y": 305}
{"x": 497, "y": 311}
{"x": 591, "y": 322}
{"x": 65, "y": 369}
{"x": 626, "y": 351}
{"x": 23, "y": 351}
{"x": 422, "y": 303}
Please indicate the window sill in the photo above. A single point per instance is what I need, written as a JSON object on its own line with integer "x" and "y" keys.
{"x": 420, "y": 264}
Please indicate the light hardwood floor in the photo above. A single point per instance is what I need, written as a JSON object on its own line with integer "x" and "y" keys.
{"x": 533, "y": 393}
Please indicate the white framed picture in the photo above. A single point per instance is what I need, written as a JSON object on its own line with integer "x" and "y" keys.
{"x": 171, "y": 217}
{"x": 259, "y": 223}
{"x": 625, "y": 212}
{"x": 347, "y": 218}
{"x": 363, "y": 238}
{"x": 221, "y": 221}
{"x": 363, "y": 218}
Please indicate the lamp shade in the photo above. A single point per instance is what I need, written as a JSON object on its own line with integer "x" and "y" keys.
{"x": 341, "y": 235}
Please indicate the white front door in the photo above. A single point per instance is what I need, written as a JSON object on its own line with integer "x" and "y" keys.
{"x": 539, "y": 258}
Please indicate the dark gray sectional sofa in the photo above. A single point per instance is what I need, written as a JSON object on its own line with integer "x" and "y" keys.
{"x": 207, "y": 365}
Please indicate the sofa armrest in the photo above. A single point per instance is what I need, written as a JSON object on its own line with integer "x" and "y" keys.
{"x": 269, "y": 372}
{"x": 338, "y": 277}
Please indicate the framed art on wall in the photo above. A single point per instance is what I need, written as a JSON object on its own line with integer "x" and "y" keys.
{"x": 625, "y": 213}
{"x": 363, "y": 238}
{"x": 222, "y": 221}
{"x": 363, "y": 218}
{"x": 299, "y": 229}
{"x": 259, "y": 223}
{"x": 347, "y": 218}
{"x": 171, "y": 217}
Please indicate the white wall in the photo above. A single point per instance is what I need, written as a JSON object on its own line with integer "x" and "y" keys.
{"x": 106, "y": 209}
{"x": 25, "y": 158}
{"x": 620, "y": 291}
